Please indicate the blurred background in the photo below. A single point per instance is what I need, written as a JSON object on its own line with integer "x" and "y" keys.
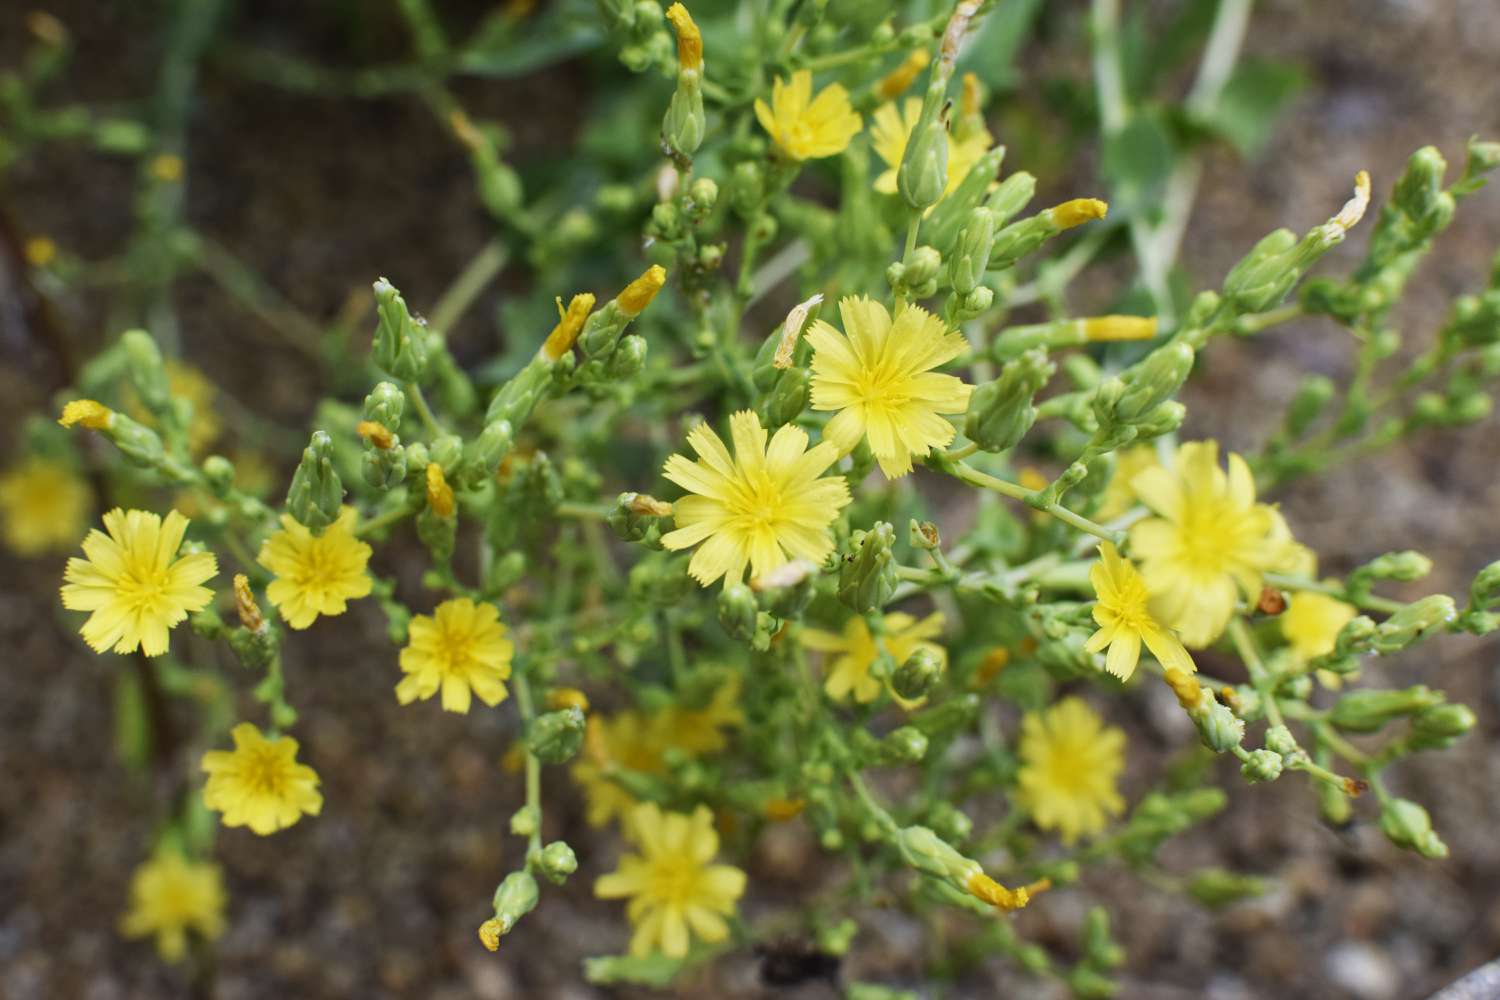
{"x": 300, "y": 189}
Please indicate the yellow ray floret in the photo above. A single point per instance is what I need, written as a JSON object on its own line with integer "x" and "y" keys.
{"x": 134, "y": 583}
{"x": 805, "y": 127}
{"x": 878, "y": 374}
{"x": 759, "y": 508}
{"x": 1125, "y": 619}
{"x": 259, "y": 783}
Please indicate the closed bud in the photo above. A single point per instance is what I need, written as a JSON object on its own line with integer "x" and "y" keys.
{"x": 703, "y": 194}
{"x": 923, "y": 535}
{"x": 1333, "y": 804}
{"x": 1164, "y": 418}
{"x": 1407, "y": 825}
{"x": 1311, "y": 399}
{"x": 1279, "y": 740}
{"x": 904, "y": 745}
{"x": 1218, "y": 727}
{"x": 1413, "y": 622}
{"x": 628, "y": 359}
{"x": 483, "y": 455}
{"x": 384, "y": 405}
{"x": 955, "y": 211}
{"x": 1440, "y": 727}
{"x": 148, "y": 374}
{"x": 1368, "y": 711}
{"x": 923, "y": 174}
{"x": 747, "y": 188}
{"x": 316, "y": 494}
{"x": 1013, "y": 194}
{"x": 556, "y": 736}
{"x": 738, "y": 612}
{"x": 514, "y": 898}
{"x": 1218, "y": 887}
{"x": 1263, "y": 277}
{"x": 400, "y": 344}
{"x": 971, "y": 256}
{"x": 557, "y": 861}
{"x": 1484, "y": 592}
{"x": 1153, "y": 379}
{"x": 1261, "y": 765}
{"x": 918, "y": 675}
{"x": 1001, "y": 412}
{"x": 867, "y": 573}
{"x": 218, "y": 475}
{"x": 788, "y": 397}
{"x": 1480, "y": 157}
{"x": 952, "y": 715}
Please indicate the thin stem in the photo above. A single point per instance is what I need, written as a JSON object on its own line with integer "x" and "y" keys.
{"x": 581, "y": 511}
{"x": 381, "y": 520}
{"x": 471, "y": 281}
{"x": 1368, "y": 601}
{"x": 419, "y": 402}
{"x": 533, "y": 765}
{"x": 1260, "y": 678}
{"x": 1015, "y": 491}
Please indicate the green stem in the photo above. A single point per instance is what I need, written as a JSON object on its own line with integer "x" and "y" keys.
{"x": 1260, "y": 678}
{"x": 471, "y": 281}
{"x": 527, "y": 711}
{"x": 419, "y": 402}
{"x": 581, "y": 511}
{"x": 1369, "y": 602}
{"x": 1015, "y": 491}
{"x": 381, "y": 520}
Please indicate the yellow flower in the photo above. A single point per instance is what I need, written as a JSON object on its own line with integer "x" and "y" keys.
{"x": 315, "y": 574}
{"x": 878, "y": 376}
{"x": 627, "y": 740}
{"x": 762, "y": 508}
{"x": 806, "y": 127}
{"x": 1125, "y": 620}
{"x": 44, "y": 505}
{"x": 892, "y": 129}
{"x": 1311, "y": 623}
{"x": 1119, "y": 495}
{"x": 132, "y": 583}
{"x": 1070, "y": 762}
{"x": 675, "y": 891}
{"x": 701, "y": 730}
{"x": 1209, "y": 543}
{"x": 461, "y": 648}
{"x": 170, "y": 896}
{"x": 857, "y": 652}
{"x": 259, "y": 783}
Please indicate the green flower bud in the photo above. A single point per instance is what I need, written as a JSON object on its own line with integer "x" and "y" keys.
{"x": 1474, "y": 321}
{"x": 557, "y": 861}
{"x": 905, "y": 745}
{"x": 255, "y": 649}
{"x": 628, "y": 359}
{"x": 949, "y": 823}
{"x": 867, "y": 574}
{"x": 1404, "y": 566}
{"x": 556, "y": 736}
{"x": 788, "y": 398}
{"x": 923, "y": 174}
{"x": 1333, "y": 804}
{"x": 1153, "y": 379}
{"x": 1407, "y": 825}
{"x": 218, "y": 475}
{"x": 944, "y": 720}
{"x": 917, "y": 676}
{"x": 971, "y": 256}
{"x": 1484, "y": 592}
{"x": 703, "y": 194}
{"x": 316, "y": 494}
{"x": 1368, "y": 711}
{"x": 1413, "y": 622}
{"x": 483, "y": 455}
{"x": 525, "y": 821}
{"x": 1087, "y": 983}
{"x": 148, "y": 375}
{"x": 400, "y": 344}
{"x": 1013, "y": 194}
{"x": 1001, "y": 412}
{"x": 1311, "y": 399}
{"x": 1218, "y": 727}
{"x": 1099, "y": 947}
{"x": 1262, "y": 765}
{"x": 514, "y": 898}
{"x": 747, "y": 188}
{"x": 438, "y": 532}
{"x": 1439, "y": 727}
{"x": 959, "y": 206}
{"x": 738, "y": 611}
{"x": 1263, "y": 277}
{"x": 684, "y": 125}
{"x": 1164, "y": 418}
{"x": 1279, "y": 740}
{"x": 1480, "y": 157}
{"x": 383, "y": 469}
{"x": 836, "y": 939}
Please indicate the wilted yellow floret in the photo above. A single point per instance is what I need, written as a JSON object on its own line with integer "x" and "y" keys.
{"x": 133, "y": 583}
{"x": 1070, "y": 763}
{"x": 245, "y": 605}
{"x": 1078, "y": 211}
{"x": 639, "y": 293}
{"x": 439, "y": 493}
{"x": 689, "y": 40}
{"x": 1125, "y": 619}
{"x": 376, "y": 433}
{"x": 490, "y": 933}
{"x": 987, "y": 890}
{"x": 86, "y": 413}
{"x": 43, "y": 505}
{"x": 891, "y": 131}
{"x": 676, "y": 893}
{"x": 315, "y": 574}
{"x": 1209, "y": 544}
{"x": 856, "y": 652}
{"x": 879, "y": 376}
{"x": 805, "y": 127}
{"x": 259, "y": 783}
{"x": 170, "y": 896}
{"x": 898, "y": 79}
{"x": 1105, "y": 328}
{"x": 561, "y": 698}
{"x": 461, "y": 648}
{"x": 569, "y": 323}
{"x": 1188, "y": 691}
{"x": 761, "y": 507}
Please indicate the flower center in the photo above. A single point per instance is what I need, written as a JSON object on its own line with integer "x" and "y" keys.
{"x": 674, "y": 879}
{"x": 263, "y": 772}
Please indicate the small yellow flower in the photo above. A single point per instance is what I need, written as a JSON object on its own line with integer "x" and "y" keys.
{"x": 1209, "y": 543}
{"x": 132, "y": 583}
{"x": 1311, "y": 623}
{"x": 675, "y": 891}
{"x": 44, "y": 505}
{"x": 760, "y": 508}
{"x": 315, "y": 574}
{"x": 259, "y": 783}
{"x": 1070, "y": 763}
{"x": 878, "y": 376}
{"x": 87, "y": 413}
{"x": 627, "y": 740}
{"x": 169, "y": 896}
{"x": 1125, "y": 619}
{"x": 461, "y": 648}
{"x": 805, "y": 127}
{"x": 891, "y": 131}
{"x": 702, "y": 730}
{"x": 857, "y": 651}
{"x": 40, "y": 251}
{"x": 1119, "y": 495}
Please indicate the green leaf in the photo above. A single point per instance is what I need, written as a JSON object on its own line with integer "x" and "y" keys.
{"x": 1139, "y": 158}
{"x": 1255, "y": 95}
